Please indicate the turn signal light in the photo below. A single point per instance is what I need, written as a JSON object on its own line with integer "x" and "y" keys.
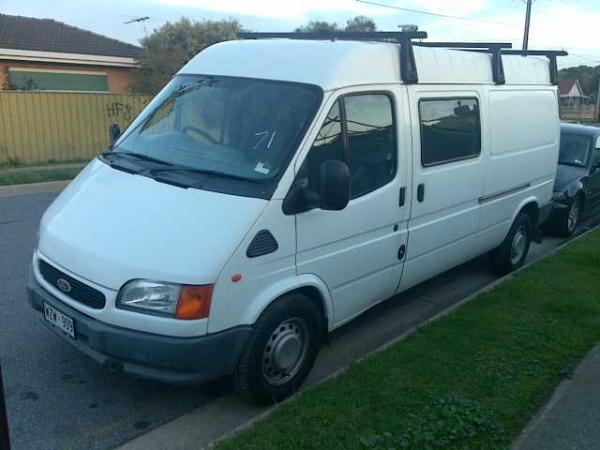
{"x": 194, "y": 302}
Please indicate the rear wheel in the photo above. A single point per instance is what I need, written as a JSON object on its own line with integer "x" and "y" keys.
{"x": 511, "y": 254}
{"x": 281, "y": 351}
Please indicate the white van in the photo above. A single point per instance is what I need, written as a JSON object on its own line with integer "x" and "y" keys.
{"x": 276, "y": 188}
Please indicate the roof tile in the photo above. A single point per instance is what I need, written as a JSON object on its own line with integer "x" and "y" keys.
{"x": 48, "y": 35}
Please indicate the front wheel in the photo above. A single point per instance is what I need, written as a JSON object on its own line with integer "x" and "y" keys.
{"x": 572, "y": 217}
{"x": 511, "y": 254}
{"x": 281, "y": 351}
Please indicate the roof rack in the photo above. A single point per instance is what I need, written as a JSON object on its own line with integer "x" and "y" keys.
{"x": 383, "y": 36}
{"x": 408, "y": 67}
{"x": 495, "y": 48}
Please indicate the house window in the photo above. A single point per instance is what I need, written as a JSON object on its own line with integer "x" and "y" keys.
{"x": 450, "y": 130}
{"x": 57, "y": 80}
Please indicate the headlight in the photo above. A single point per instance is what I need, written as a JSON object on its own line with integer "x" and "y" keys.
{"x": 167, "y": 299}
{"x": 560, "y": 196}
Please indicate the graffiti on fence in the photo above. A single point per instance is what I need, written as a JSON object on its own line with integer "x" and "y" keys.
{"x": 118, "y": 110}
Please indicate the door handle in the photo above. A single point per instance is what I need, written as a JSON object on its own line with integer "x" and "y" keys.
{"x": 401, "y": 252}
{"x": 402, "y": 198}
{"x": 421, "y": 192}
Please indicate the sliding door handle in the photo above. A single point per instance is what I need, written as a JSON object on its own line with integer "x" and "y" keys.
{"x": 421, "y": 192}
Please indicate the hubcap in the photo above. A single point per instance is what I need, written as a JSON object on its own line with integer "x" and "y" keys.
{"x": 285, "y": 351}
{"x": 519, "y": 244}
{"x": 573, "y": 216}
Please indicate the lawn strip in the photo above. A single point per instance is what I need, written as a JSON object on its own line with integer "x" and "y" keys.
{"x": 473, "y": 379}
{"x": 37, "y": 175}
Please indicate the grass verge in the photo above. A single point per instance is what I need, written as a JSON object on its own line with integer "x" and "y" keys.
{"x": 472, "y": 380}
{"x": 37, "y": 175}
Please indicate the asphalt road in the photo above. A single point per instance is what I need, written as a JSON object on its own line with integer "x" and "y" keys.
{"x": 59, "y": 399}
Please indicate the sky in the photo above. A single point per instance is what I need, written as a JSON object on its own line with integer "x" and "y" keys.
{"x": 573, "y": 25}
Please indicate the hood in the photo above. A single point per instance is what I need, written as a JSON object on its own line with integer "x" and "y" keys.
{"x": 565, "y": 175}
{"x": 110, "y": 227}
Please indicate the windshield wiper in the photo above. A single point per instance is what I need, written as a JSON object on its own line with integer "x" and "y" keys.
{"x": 137, "y": 156}
{"x": 205, "y": 172}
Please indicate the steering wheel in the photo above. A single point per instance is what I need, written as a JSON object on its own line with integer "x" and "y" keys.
{"x": 202, "y": 133}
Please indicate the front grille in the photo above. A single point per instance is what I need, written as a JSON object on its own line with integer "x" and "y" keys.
{"x": 78, "y": 291}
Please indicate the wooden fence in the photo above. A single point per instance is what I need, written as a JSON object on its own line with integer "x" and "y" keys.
{"x": 41, "y": 127}
{"x": 582, "y": 112}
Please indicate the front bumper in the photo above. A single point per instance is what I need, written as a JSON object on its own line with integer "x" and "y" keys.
{"x": 166, "y": 359}
{"x": 557, "y": 215}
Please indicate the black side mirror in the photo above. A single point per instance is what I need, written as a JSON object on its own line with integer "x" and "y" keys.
{"x": 333, "y": 193}
{"x": 114, "y": 131}
{"x": 334, "y": 187}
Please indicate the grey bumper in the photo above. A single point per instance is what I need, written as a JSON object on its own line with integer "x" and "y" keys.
{"x": 545, "y": 212}
{"x": 167, "y": 359}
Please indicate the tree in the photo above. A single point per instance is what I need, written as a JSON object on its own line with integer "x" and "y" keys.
{"x": 315, "y": 26}
{"x": 360, "y": 23}
{"x": 174, "y": 44}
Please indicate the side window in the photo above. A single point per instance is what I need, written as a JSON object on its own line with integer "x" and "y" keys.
{"x": 359, "y": 130}
{"x": 329, "y": 144}
{"x": 371, "y": 142}
{"x": 450, "y": 130}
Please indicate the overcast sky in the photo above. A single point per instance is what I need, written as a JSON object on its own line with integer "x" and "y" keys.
{"x": 570, "y": 24}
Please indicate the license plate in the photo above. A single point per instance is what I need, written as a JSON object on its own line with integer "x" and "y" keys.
{"x": 59, "y": 320}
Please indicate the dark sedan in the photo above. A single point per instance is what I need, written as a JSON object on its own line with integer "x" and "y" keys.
{"x": 577, "y": 184}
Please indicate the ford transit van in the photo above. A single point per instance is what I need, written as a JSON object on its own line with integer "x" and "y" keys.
{"x": 279, "y": 186}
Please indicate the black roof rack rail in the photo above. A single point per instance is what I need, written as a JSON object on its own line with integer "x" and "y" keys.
{"x": 383, "y": 36}
{"x": 465, "y": 45}
{"x": 408, "y": 67}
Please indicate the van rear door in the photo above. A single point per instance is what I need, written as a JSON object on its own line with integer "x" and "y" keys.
{"x": 447, "y": 180}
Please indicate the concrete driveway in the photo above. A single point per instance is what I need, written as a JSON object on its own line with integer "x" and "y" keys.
{"x": 59, "y": 399}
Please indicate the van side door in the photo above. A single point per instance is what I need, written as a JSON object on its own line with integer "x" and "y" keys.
{"x": 447, "y": 180}
{"x": 358, "y": 251}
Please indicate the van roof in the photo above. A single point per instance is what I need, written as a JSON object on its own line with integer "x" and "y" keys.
{"x": 333, "y": 64}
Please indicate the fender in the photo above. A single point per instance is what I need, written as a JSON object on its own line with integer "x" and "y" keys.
{"x": 527, "y": 200}
{"x": 574, "y": 188}
{"x": 276, "y": 290}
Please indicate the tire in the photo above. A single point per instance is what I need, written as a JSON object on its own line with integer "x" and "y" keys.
{"x": 511, "y": 254}
{"x": 281, "y": 350}
{"x": 571, "y": 220}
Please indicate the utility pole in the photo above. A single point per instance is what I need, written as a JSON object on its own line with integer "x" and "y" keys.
{"x": 527, "y": 20}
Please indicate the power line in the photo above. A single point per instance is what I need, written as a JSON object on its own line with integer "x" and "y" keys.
{"x": 445, "y": 16}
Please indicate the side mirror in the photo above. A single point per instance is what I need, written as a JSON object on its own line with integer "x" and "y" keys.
{"x": 114, "y": 131}
{"x": 334, "y": 187}
{"x": 333, "y": 190}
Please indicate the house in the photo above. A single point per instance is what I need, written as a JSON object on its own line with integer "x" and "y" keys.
{"x": 570, "y": 93}
{"x": 43, "y": 54}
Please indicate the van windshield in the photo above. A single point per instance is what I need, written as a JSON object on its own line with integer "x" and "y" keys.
{"x": 238, "y": 128}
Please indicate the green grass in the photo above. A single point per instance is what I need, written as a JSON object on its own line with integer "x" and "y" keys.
{"x": 472, "y": 380}
{"x": 15, "y": 163}
{"x": 36, "y": 176}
